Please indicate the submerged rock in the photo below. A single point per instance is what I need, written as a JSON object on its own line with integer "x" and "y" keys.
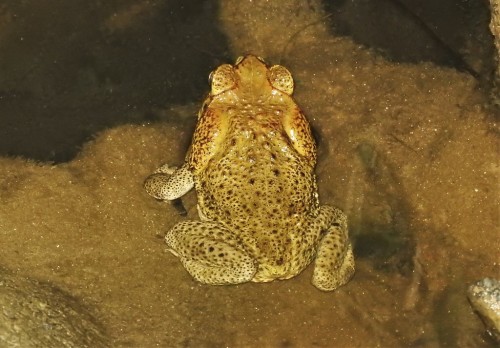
{"x": 35, "y": 314}
{"x": 484, "y": 297}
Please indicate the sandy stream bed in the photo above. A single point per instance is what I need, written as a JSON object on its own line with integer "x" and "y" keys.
{"x": 408, "y": 151}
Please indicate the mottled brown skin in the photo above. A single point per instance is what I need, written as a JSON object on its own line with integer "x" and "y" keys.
{"x": 252, "y": 163}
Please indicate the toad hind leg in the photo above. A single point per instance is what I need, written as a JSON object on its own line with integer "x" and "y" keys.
{"x": 210, "y": 253}
{"x": 334, "y": 265}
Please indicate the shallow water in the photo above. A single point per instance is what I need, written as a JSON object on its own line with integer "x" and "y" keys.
{"x": 408, "y": 151}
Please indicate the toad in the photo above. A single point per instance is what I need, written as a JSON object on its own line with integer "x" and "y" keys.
{"x": 251, "y": 162}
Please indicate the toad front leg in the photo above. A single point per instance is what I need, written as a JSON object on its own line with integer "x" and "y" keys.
{"x": 334, "y": 265}
{"x": 167, "y": 183}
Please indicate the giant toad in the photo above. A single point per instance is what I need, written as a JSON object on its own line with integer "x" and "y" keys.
{"x": 252, "y": 162}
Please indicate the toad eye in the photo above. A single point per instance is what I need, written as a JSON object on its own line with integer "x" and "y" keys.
{"x": 211, "y": 77}
{"x": 281, "y": 79}
{"x": 222, "y": 79}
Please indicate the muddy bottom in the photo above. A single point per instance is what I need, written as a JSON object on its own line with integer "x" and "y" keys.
{"x": 408, "y": 151}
